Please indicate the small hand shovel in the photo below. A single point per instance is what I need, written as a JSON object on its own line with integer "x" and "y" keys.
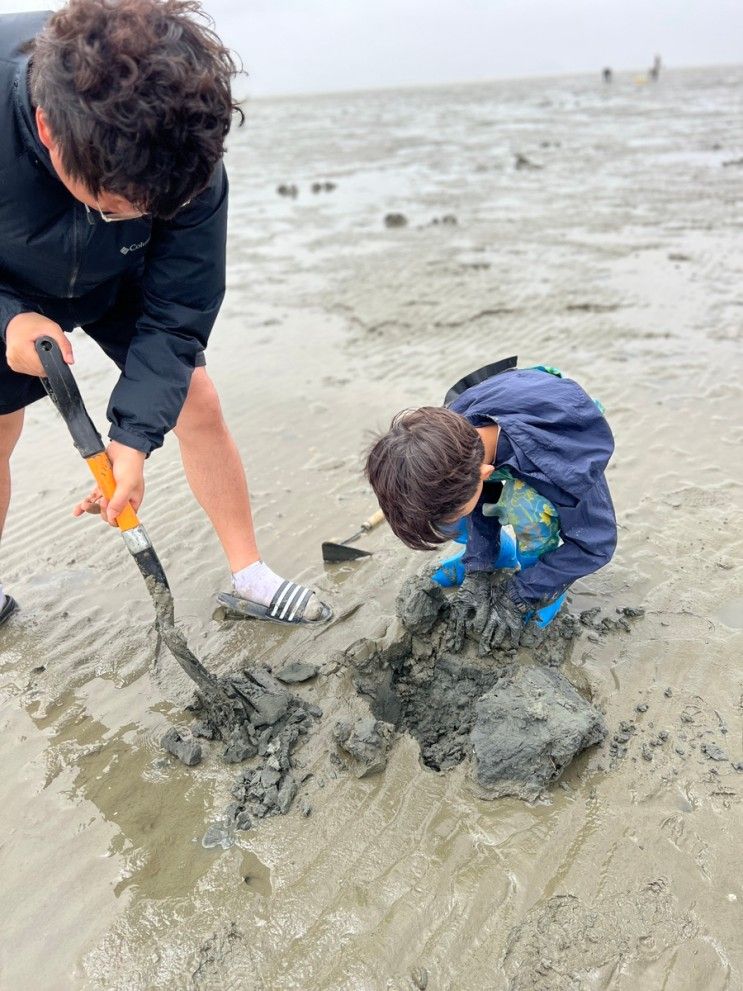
{"x": 333, "y": 552}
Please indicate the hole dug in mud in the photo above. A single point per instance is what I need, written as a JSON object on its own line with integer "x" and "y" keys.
{"x": 515, "y": 716}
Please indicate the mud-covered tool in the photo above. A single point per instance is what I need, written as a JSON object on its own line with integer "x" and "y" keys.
{"x": 333, "y": 552}
{"x": 64, "y": 393}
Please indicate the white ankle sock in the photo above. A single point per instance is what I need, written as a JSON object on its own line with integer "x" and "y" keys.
{"x": 2, "y": 596}
{"x": 256, "y": 582}
{"x": 259, "y": 584}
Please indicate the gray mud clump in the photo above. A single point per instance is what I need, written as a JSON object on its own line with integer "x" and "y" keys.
{"x": 527, "y": 729}
{"x": 364, "y": 744}
{"x": 296, "y": 671}
{"x": 513, "y": 713}
{"x": 273, "y": 721}
{"x": 250, "y": 713}
{"x": 264, "y": 721}
{"x": 186, "y": 751}
{"x": 419, "y": 604}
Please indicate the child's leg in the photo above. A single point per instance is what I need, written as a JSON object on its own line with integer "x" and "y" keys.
{"x": 544, "y": 616}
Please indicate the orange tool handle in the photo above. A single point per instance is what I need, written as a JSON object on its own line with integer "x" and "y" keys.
{"x": 102, "y": 472}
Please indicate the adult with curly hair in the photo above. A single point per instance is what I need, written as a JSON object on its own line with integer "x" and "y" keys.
{"x": 113, "y": 215}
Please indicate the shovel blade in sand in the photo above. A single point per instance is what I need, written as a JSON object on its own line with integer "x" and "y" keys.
{"x": 333, "y": 552}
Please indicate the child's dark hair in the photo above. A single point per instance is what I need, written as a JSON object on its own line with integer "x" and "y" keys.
{"x": 137, "y": 95}
{"x": 423, "y": 471}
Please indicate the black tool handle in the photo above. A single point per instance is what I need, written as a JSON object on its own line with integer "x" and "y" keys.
{"x": 63, "y": 391}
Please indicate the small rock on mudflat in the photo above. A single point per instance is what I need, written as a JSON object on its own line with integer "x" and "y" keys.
{"x": 520, "y": 161}
{"x": 395, "y": 220}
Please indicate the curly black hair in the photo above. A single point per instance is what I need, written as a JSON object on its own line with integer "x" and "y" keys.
{"x": 137, "y": 95}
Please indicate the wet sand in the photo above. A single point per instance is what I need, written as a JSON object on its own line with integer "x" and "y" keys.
{"x": 618, "y": 261}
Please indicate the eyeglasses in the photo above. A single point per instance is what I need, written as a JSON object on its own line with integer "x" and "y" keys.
{"x": 112, "y": 218}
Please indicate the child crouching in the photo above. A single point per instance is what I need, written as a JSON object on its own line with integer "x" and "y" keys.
{"x": 525, "y": 448}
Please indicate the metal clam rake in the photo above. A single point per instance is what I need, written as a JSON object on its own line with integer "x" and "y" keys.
{"x": 334, "y": 552}
{"x": 63, "y": 391}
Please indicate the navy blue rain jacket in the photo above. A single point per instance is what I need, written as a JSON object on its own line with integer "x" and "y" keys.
{"x": 58, "y": 259}
{"x": 553, "y": 437}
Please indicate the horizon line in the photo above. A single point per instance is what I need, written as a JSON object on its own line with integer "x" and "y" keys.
{"x": 360, "y": 91}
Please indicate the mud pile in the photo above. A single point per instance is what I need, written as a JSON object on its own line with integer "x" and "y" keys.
{"x": 527, "y": 729}
{"x": 259, "y": 720}
{"x": 513, "y": 713}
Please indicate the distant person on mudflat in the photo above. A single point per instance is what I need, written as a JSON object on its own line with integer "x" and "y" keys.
{"x": 113, "y": 217}
{"x": 523, "y": 448}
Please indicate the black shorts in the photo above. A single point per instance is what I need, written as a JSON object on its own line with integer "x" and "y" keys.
{"x": 113, "y": 332}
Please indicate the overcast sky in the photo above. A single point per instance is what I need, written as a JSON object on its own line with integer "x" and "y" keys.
{"x": 299, "y": 46}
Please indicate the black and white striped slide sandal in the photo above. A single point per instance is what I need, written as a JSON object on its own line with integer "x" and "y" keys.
{"x": 9, "y": 607}
{"x": 287, "y": 606}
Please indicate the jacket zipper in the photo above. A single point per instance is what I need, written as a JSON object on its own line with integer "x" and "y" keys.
{"x": 75, "y": 258}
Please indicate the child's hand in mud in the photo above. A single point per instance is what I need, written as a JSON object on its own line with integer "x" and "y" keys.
{"x": 505, "y": 622}
{"x": 469, "y": 610}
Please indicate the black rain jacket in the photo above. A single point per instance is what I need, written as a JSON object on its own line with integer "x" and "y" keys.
{"x": 65, "y": 262}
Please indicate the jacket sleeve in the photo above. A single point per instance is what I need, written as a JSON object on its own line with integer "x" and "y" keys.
{"x": 589, "y": 535}
{"x": 483, "y": 539}
{"x": 182, "y": 288}
{"x": 11, "y": 304}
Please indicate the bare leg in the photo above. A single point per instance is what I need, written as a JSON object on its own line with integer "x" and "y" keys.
{"x": 217, "y": 479}
{"x": 215, "y": 472}
{"x": 11, "y": 425}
